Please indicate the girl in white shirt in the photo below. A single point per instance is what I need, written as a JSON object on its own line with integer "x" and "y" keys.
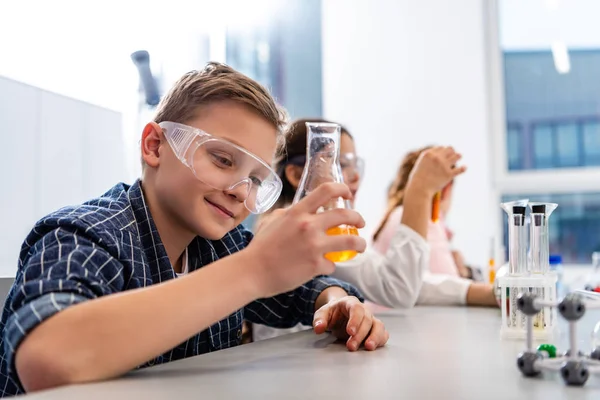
{"x": 399, "y": 278}
{"x": 445, "y": 265}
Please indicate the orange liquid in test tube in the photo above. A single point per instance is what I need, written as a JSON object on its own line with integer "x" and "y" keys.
{"x": 341, "y": 256}
{"x": 492, "y": 270}
{"x": 435, "y": 208}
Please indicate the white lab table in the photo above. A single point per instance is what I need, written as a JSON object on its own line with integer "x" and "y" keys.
{"x": 433, "y": 353}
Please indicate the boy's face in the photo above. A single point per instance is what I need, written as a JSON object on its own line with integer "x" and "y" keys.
{"x": 201, "y": 209}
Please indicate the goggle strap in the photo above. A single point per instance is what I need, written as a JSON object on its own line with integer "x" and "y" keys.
{"x": 179, "y": 138}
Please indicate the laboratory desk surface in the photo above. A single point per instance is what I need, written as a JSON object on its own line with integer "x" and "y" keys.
{"x": 433, "y": 353}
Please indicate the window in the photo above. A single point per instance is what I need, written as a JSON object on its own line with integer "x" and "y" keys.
{"x": 543, "y": 147}
{"x": 567, "y": 145}
{"x": 591, "y": 143}
{"x": 551, "y": 106}
{"x": 514, "y": 147}
{"x": 284, "y": 54}
{"x": 549, "y": 69}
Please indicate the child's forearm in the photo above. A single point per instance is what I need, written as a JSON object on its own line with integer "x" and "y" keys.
{"x": 481, "y": 294}
{"x": 109, "y": 336}
{"x": 417, "y": 208}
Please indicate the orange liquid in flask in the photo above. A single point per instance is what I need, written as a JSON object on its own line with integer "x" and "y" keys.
{"x": 341, "y": 256}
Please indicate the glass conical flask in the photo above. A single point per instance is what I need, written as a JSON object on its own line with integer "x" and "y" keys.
{"x": 517, "y": 236}
{"x": 540, "y": 245}
{"x": 322, "y": 166}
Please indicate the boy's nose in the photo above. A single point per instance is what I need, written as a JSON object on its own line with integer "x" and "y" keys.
{"x": 239, "y": 191}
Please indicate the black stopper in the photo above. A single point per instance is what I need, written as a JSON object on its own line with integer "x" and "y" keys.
{"x": 519, "y": 210}
{"x": 538, "y": 209}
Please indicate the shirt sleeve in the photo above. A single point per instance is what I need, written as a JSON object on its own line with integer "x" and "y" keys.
{"x": 443, "y": 290}
{"x": 63, "y": 268}
{"x": 298, "y": 306}
{"x": 392, "y": 279}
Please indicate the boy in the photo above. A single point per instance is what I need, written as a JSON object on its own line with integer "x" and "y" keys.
{"x": 161, "y": 270}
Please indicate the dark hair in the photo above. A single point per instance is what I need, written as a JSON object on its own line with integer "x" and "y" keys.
{"x": 396, "y": 190}
{"x": 294, "y": 153}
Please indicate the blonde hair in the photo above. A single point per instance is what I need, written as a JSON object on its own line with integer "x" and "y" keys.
{"x": 218, "y": 82}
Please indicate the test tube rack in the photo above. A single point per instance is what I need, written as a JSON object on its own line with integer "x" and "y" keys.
{"x": 528, "y": 274}
{"x": 574, "y": 366}
{"x": 514, "y": 322}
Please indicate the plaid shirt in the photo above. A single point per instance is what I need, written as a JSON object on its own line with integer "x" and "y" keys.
{"x": 110, "y": 244}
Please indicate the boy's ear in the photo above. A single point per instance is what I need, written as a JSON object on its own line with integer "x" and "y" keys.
{"x": 293, "y": 173}
{"x": 151, "y": 140}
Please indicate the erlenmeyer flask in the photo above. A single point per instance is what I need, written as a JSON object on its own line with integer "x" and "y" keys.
{"x": 322, "y": 166}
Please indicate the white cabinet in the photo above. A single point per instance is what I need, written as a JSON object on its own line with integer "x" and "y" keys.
{"x": 105, "y": 158}
{"x": 56, "y": 151}
{"x": 60, "y": 135}
{"x": 19, "y": 122}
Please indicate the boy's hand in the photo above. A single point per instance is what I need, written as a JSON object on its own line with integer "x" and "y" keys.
{"x": 289, "y": 249}
{"x": 434, "y": 169}
{"x": 349, "y": 319}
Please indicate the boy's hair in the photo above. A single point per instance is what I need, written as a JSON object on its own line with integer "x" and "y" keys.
{"x": 218, "y": 82}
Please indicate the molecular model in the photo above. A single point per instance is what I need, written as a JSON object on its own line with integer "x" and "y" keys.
{"x": 575, "y": 367}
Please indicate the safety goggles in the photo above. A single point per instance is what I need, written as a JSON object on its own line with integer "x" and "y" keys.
{"x": 224, "y": 166}
{"x": 351, "y": 165}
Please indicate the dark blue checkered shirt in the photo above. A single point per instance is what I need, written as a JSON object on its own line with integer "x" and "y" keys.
{"x": 110, "y": 244}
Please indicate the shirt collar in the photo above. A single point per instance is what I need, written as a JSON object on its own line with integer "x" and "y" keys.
{"x": 152, "y": 245}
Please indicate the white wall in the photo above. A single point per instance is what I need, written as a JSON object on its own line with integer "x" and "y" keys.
{"x": 56, "y": 151}
{"x": 402, "y": 74}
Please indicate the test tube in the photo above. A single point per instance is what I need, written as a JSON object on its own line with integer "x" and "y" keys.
{"x": 435, "y": 207}
{"x": 540, "y": 249}
{"x": 539, "y": 255}
{"x": 517, "y": 236}
{"x": 517, "y": 256}
{"x": 492, "y": 262}
{"x": 540, "y": 246}
{"x": 517, "y": 252}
